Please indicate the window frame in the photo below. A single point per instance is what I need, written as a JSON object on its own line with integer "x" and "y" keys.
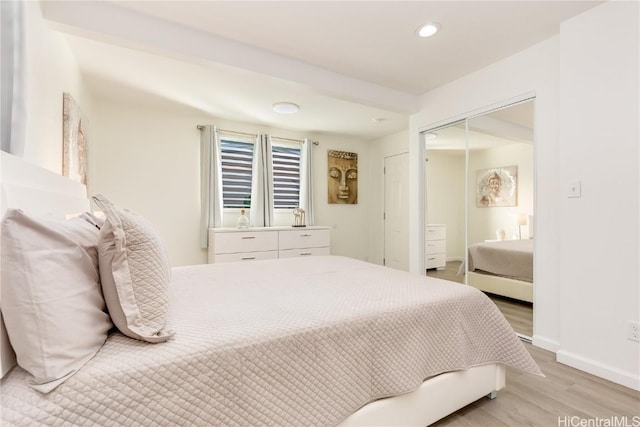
{"x": 276, "y": 142}
{"x": 287, "y": 144}
{"x": 233, "y": 138}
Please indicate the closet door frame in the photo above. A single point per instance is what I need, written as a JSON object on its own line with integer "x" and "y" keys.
{"x": 527, "y": 97}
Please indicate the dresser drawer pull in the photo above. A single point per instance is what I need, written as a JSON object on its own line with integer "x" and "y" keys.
{"x": 305, "y": 253}
{"x": 305, "y": 235}
{"x": 431, "y": 259}
{"x": 248, "y": 258}
{"x": 248, "y": 237}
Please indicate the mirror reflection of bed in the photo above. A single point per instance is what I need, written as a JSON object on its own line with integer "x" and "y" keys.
{"x": 504, "y": 270}
{"x": 519, "y": 313}
{"x": 480, "y": 190}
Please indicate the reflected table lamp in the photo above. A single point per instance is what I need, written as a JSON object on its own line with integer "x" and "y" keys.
{"x": 522, "y": 220}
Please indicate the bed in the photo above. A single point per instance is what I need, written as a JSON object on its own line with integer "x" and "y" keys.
{"x": 503, "y": 268}
{"x": 305, "y": 341}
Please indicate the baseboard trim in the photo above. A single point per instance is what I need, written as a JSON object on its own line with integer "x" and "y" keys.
{"x": 545, "y": 343}
{"x": 598, "y": 369}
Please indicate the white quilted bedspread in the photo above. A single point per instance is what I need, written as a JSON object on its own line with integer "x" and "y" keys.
{"x": 289, "y": 342}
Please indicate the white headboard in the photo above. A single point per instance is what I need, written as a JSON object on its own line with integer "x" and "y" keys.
{"x": 40, "y": 192}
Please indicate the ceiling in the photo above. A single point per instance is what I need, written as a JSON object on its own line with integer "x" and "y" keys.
{"x": 346, "y": 63}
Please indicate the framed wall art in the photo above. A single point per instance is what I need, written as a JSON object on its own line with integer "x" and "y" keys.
{"x": 497, "y": 187}
{"x": 342, "y": 177}
{"x": 74, "y": 140}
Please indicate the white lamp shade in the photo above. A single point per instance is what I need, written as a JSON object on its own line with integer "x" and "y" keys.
{"x": 522, "y": 218}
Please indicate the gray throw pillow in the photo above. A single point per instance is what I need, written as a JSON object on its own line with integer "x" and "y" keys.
{"x": 134, "y": 272}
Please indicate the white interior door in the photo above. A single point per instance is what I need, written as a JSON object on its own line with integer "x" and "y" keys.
{"x": 396, "y": 211}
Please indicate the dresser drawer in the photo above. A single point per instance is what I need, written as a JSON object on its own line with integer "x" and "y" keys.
{"x": 301, "y": 238}
{"x": 246, "y": 256}
{"x": 435, "y": 232}
{"x": 291, "y": 253}
{"x": 245, "y": 241}
{"x": 435, "y": 261}
{"x": 435, "y": 247}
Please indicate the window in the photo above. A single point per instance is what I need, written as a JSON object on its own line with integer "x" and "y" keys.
{"x": 286, "y": 175}
{"x": 236, "y": 158}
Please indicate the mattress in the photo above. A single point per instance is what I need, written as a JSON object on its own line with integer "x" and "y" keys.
{"x": 506, "y": 258}
{"x": 288, "y": 342}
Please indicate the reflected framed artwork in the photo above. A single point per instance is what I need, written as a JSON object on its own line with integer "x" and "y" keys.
{"x": 497, "y": 187}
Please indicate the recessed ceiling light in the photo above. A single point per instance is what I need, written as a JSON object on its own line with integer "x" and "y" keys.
{"x": 286, "y": 107}
{"x": 427, "y": 30}
{"x": 378, "y": 120}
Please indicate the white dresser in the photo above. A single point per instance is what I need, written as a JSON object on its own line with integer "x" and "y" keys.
{"x": 435, "y": 246}
{"x": 232, "y": 244}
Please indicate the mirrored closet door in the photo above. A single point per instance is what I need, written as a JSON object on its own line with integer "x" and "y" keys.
{"x": 445, "y": 200}
{"x": 479, "y": 183}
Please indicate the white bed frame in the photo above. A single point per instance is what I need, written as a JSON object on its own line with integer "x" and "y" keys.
{"x": 39, "y": 191}
{"x": 436, "y": 398}
{"x": 504, "y": 286}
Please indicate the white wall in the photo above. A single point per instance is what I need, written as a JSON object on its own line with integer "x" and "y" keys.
{"x": 598, "y": 240}
{"x": 349, "y": 223}
{"x": 148, "y": 160}
{"x": 378, "y": 149}
{"x": 445, "y": 193}
{"x": 586, "y": 286}
{"x": 51, "y": 70}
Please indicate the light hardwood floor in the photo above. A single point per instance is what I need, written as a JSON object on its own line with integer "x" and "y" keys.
{"x": 518, "y": 314}
{"x": 529, "y": 400}
{"x": 564, "y": 393}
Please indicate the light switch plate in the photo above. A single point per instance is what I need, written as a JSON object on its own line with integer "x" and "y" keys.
{"x": 574, "y": 189}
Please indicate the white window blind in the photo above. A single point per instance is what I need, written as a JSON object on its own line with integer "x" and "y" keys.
{"x": 286, "y": 176}
{"x": 236, "y": 158}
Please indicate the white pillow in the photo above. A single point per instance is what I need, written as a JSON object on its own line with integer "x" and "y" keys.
{"x": 51, "y": 303}
{"x": 135, "y": 274}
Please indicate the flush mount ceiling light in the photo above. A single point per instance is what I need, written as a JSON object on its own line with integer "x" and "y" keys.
{"x": 286, "y": 108}
{"x": 427, "y": 30}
